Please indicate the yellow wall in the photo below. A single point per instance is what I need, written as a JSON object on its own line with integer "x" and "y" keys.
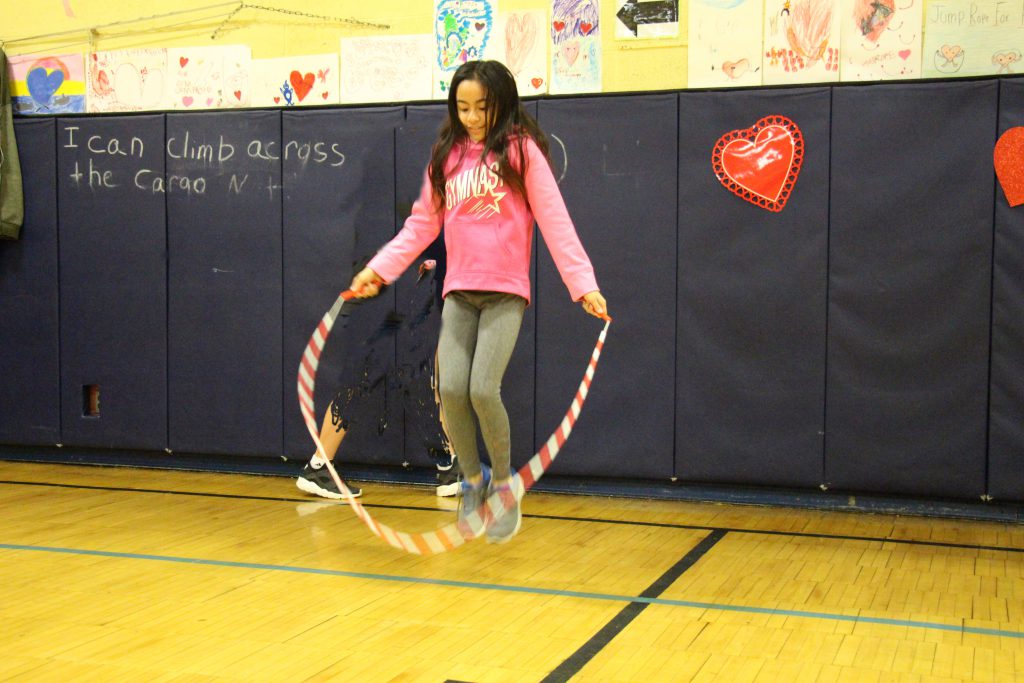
{"x": 627, "y": 66}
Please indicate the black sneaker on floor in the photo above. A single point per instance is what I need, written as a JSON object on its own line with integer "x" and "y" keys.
{"x": 448, "y": 481}
{"x": 319, "y": 483}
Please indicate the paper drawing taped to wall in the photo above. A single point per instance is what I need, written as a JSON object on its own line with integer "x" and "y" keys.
{"x": 801, "y": 41}
{"x": 881, "y": 39}
{"x": 521, "y": 46}
{"x": 972, "y": 38}
{"x": 47, "y": 84}
{"x": 576, "y": 46}
{"x": 725, "y": 43}
{"x": 462, "y": 32}
{"x": 126, "y": 80}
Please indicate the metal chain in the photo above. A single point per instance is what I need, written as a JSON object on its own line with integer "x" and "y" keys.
{"x": 297, "y": 13}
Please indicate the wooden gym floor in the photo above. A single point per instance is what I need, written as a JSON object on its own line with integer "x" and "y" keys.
{"x": 118, "y": 574}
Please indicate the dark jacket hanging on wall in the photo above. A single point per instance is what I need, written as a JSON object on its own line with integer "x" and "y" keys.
{"x": 12, "y": 206}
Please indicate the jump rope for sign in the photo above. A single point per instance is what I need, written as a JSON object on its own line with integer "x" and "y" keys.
{"x": 455, "y": 534}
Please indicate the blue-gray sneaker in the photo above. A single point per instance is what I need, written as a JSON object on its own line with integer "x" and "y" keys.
{"x": 506, "y": 514}
{"x": 470, "y": 524}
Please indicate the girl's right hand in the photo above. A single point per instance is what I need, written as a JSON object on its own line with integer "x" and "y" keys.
{"x": 366, "y": 283}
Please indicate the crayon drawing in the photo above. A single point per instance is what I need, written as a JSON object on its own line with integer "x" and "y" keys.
{"x": 126, "y": 80}
{"x": 725, "y": 43}
{"x": 521, "y": 46}
{"x": 801, "y": 41}
{"x": 299, "y": 81}
{"x": 462, "y": 32}
{"x": 575, "y": 46}
{"x": 881, "y": 39}
{"x": 47, "y": 84}
{"x": 971, "y": 38}
{"x": 386, "y": 68}
{"x": 208, "y": 77}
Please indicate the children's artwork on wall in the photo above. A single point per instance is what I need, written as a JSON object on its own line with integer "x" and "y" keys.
{"x": 47, "y": 84}
{"x": 760, "y": 164}
{"x": 522, "y": 46}
{"x": 881, "y": 39}
{"x": 300, "y": 81}
{"x": 126, "y": 80}
{"x": 725, "y": 43}
{"x": 462, "y": 32}
{"x": 640, "y": 19}
{"x": 971, "y": 38}
{"x": 801, "y": 41}
{"x": 386, "y": 68}
{"x": 208, "y": 77}
{"x": 575, "y": 46}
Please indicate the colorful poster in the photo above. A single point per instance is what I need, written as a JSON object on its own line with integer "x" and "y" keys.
{"x": 208, "y": 77}
{"x": 640, "y": 19}
{"x": 300, "y": 81}
{"x": 971, "y": 38}
{"x": 576, "y": 46}
{"x": 386, "y": 68}
{"x": 522, "y": 46}
{"x": 462, "y": 32}
{"x": 801, "y": 41}
{"x": 725, "y": 43}
{"x": 47, "y": 84}
{"x": 881, "y": 39}
{"x": 126, "y": 80}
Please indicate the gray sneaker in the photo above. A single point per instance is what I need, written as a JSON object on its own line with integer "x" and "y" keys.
{"x": 472, "y": 513}
{"x": 506, "y": 514}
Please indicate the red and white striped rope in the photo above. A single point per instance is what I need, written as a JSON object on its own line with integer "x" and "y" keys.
{"x": 454, "y": 534}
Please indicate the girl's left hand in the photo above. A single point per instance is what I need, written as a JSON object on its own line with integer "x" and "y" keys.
{"x": 594, "y": 304}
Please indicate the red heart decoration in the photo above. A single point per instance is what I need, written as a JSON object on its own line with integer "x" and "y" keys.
{"x": 238, "y": 95}
{"x": 1009, "y": 161}
{"x": 585, "y": 27}
{"x": 537, "y": 82}
{"x": 559, "y": 25}
{"x": 277, "y": 100}
{"x": 760, "y": 164}
{"x": 324, "y": 94}
{"x": 302, "y": 84}
{"x": 182, "y": 61}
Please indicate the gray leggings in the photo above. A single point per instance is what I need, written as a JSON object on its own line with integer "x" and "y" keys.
{"x": 478, "y": 332}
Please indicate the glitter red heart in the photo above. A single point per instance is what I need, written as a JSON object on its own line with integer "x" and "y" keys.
{"x": 760, "y": 164}
{"x": 1008, "y": 158}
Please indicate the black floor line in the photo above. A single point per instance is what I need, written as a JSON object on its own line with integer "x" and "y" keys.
{"x": 591, "y": 520}
{"x": 577, "y": 660}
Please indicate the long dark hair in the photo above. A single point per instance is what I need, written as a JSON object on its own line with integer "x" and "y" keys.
{"x": 509, "y": 124}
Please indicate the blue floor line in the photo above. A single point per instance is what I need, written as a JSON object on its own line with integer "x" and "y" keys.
{"x": 610, "y": 597}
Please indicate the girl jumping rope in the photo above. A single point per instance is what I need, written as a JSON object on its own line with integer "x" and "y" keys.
{"x": 488, "y": 179}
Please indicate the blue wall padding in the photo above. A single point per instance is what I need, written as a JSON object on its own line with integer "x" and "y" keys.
{"x": 1006, "y": 417}
{"x": 337, "y": 211}
{"x": 29, "y": 316}
{"x": 113, "y": 280}
{"x": 619, "y": 185}
{"x": 751, "y": 307}
{"x": 910, "y": 261}
{"x": 224, "y": 311}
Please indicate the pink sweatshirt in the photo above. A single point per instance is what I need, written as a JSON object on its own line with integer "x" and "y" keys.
{"x": 489, "y": 227}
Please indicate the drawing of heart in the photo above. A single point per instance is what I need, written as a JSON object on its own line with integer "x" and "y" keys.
{"x": 570, "y": 51}
{"x": 737, "y": 68}
{"x": 760, "y": 164}
{"x": 324, "y": 94}
{"x": 187, "y": 100}
{"x": 559, "y": 25}
{"x": 277, "y": 100}
{"x": 209, "y": 101}
{"x": 536, "y": 83}
{"x": 238, "y": 95}
{"x": 1007, "y": 157}
{"x": 42, "y": 85}
{"x": 904, "y": 54}
{"x": 951, "y": 52}
{"x": 182, "y": 61}
{"x": 480, "y": 26}
{"x": 520, "y": 36}
{"x": 585, "y": 27}
{"x": 301, "y": 84}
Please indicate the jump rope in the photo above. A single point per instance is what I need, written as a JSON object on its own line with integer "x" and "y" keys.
{"x": 455, "y": 534}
